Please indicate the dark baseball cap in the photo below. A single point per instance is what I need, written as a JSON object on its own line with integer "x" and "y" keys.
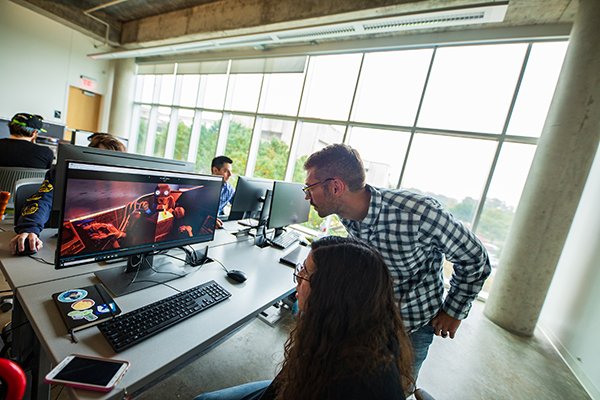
{"x": 29, "y": 121}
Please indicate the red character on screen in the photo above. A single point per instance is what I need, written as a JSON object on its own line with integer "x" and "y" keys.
{"x": 153, "y": 220}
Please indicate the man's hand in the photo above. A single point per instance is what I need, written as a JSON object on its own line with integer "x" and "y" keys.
{"x": 443, "y": 324}
{"x": 18, "y": 242}
{"x": 219, "y": 224}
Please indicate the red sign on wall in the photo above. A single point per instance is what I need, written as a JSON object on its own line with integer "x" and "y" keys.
{"x": 88, "y": 83}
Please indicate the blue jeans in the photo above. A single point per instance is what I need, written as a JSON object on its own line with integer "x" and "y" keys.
{"x": 421, "y": 339}
{"x": 247, "y": 391}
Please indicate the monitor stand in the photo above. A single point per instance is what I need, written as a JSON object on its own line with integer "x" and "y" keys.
{"x": 260, "y": 239}
{"x": 141, "y": 272}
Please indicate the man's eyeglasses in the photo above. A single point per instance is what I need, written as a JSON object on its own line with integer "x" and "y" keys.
{"x": 307, "y": 188}
{"x": 300, "y": 273}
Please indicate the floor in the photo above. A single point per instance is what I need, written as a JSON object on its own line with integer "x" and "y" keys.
{"x": 482, "y": 362}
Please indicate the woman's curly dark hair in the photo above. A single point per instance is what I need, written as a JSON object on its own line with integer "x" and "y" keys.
{"x": 350, "y": 325}
{"x": 107, "y": 141}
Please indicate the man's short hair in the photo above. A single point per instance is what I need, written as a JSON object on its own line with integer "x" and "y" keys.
{"x": 107, "y": 141}
{"x": 219, "y": 161}
{"x": 338, "y": 161}
{"x": 25, "y": 124}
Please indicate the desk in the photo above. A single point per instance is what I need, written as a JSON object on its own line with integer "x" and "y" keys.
{"x": 268, "y": 281}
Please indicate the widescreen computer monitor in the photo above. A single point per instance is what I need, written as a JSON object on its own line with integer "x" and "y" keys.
{"x": 115, "y": 212}
{"x": 249, "y": 197}
{"x": 82, "y": 138}
{"x": 288, "y": 206}
{"x": 109, "y": 157}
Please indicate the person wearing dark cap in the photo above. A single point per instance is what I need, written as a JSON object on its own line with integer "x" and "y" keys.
{"x": 20, "y": 150}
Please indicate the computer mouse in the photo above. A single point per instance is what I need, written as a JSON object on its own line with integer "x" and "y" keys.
{"x": 236, "y": 275}
{"x": 27, "y": 251}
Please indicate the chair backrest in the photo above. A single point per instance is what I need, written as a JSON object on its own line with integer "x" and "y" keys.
{"x": 24, "y": 188}
{"x": 10, "y": 175}
{"x": 13, "y": 380}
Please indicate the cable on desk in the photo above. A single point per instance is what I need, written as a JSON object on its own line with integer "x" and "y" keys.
{"x": 59, "y": 392}
{"x": 177, "y": 258}
{"x": 41, "y": 260}
{"x": 12, "y": 328}
{"x": 226, "y": 270}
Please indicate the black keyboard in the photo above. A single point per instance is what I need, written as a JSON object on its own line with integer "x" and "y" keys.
{"x": 285, "y": 240}
{"x": 126, "y": 330}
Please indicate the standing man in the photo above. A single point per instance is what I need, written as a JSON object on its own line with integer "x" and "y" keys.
{"x": 413, "y": 233}
{"x": 222, "y": 165}
{"x": 20, "y": 150}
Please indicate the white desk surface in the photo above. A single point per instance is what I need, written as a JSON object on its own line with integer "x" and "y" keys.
{"x": 22, "y": 271}
{"x": 268, "y": 281}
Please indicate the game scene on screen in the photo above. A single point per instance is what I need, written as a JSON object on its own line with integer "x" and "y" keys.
{"x": 101, "y": 215}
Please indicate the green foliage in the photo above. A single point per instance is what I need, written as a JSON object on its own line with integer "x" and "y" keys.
{"x": 142, "y": 136}
{"x": 272, "y": 159}
{"x": 495, "y": 221}
{"x": 182, "y": 141}
{"x": 207, "y": 146}
{"x": 238, "y": 145}
{"x": 299, "y": 172}
{"x": 465, "y": 210}
{"x": 160, "y": 141}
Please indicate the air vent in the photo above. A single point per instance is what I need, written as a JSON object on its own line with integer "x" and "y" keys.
{"x": 481, "y": 14}
{"x": 412, "y": 23}
{"x": 317, "y": 34}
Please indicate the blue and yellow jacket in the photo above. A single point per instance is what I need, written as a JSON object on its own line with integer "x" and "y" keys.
{"x": 37, "y": 208}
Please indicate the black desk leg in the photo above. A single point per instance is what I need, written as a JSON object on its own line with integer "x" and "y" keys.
{"x": 28, "y": 352}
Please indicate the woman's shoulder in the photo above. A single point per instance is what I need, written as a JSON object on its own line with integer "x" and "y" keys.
{"x": 382, "y": 384}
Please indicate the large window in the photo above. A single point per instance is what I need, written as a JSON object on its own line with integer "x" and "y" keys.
{"x": 459, "y": 123}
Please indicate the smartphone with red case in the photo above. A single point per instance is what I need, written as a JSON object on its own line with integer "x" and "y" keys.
{"x": 87, "y": 372}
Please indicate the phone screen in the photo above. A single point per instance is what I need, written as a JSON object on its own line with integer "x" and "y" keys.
{"x": 90, "y": 371}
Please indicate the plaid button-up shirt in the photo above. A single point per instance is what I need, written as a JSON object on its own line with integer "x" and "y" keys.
{"x": 414, "y": 233}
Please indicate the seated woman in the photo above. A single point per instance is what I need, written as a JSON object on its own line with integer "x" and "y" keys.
{"x": 36, "y": 210}
{"x": 349, "y": 341}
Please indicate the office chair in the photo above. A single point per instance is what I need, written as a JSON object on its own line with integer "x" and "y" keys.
{"x": 12, "y": 380}
{"x": 24, "y": 188}
{"x": 10, "y": 175}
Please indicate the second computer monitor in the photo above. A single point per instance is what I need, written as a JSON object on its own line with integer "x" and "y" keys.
{"x": 288, "y": 205}
{"x": 250, "y": 194}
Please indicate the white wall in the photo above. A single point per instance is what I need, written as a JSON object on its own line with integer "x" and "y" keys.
{"x": 40, "y": 59}
{"x": 571, "y": 313}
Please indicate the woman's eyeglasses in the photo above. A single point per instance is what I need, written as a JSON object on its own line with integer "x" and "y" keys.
{"x": 300, "y": 273}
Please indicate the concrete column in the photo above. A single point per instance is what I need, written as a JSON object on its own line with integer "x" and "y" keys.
{"x": 563, "y": 159}
{"x": 121, "y": 106}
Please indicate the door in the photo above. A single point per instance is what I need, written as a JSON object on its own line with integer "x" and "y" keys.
{"x": 83, "y": 109}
